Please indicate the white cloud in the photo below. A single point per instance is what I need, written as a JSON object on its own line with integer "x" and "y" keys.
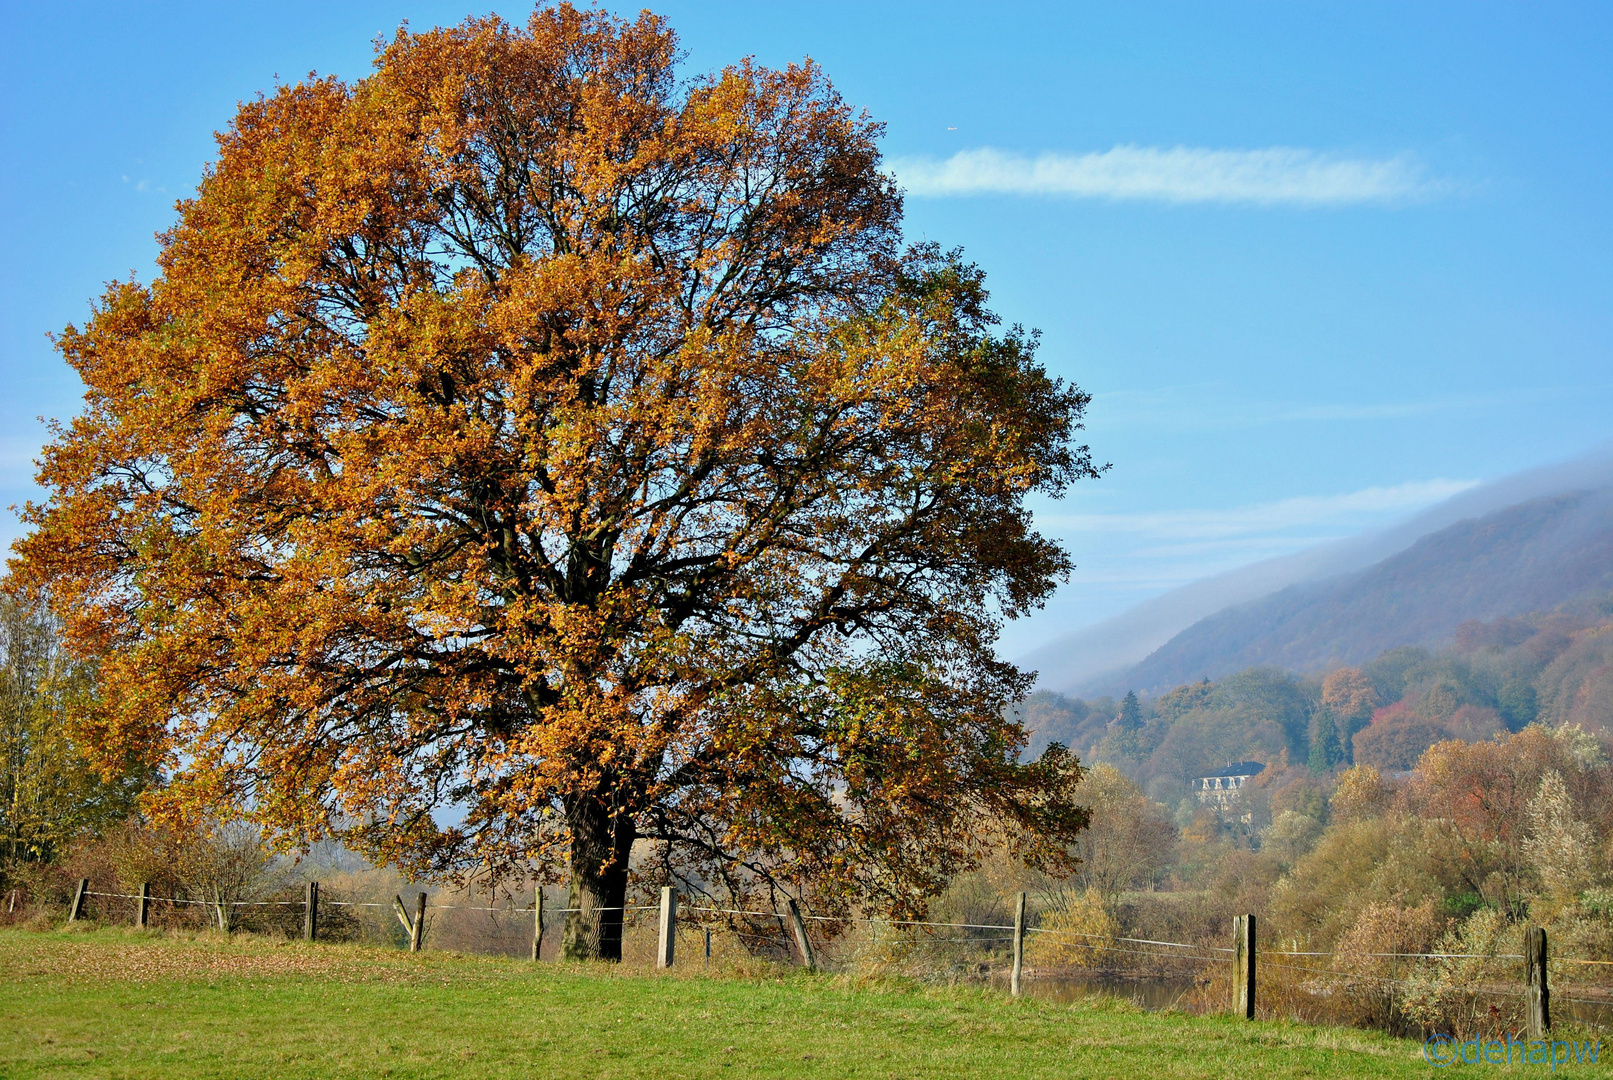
{"x": 1210, "y": 407}
{"x": 1182, "y": 174}
{"x": 1307, "y": 512}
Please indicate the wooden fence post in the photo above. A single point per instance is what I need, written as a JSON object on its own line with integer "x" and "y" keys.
{"x": 310, "y": 912}
{"x": 77, "y": 909}
{"x": 1537, "y": 990}
{"x": 142, "y": 907}
{"x": 537, "y": 923}
{"x": 1243, "y": 966}
{"x": 1019, "y": 946}
{"x": 802, "y": 942}
{"x": 418, "y": 931}
{"x": 667, "y": 936}
{"x": 403, "y": 914}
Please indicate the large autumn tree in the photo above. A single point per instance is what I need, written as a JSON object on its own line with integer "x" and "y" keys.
{"x": 524, "y": 433}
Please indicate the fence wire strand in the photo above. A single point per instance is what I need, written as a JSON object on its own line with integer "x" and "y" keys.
{"x": 910, "y": 933}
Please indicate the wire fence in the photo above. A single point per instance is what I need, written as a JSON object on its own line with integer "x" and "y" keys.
{"x": 1383, "y": 988}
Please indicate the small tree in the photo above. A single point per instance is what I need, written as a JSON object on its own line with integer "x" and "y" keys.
{"x": 1129, "y": 839}
{"x": 50, "y": 794}
{"x": 1560, "y": 845}
{"x": 1130, "y": 718}
{"x": 1348, "y": 695}
{"x": 1359, "y": 794}
{"x": 1325, "y": 751}
{"x": 524, "y": 431}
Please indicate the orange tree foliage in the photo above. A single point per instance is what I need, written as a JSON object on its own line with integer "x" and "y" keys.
{"x": 1349, "y": 695}
{"x": 525, "y": 431}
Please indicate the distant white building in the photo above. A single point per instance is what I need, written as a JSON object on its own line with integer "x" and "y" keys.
{"x": 1222, "y": 788}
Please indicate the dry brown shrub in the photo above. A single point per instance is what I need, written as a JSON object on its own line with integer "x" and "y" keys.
{"x": 1079, "y": 936}
{"x": 1472, "y": 988}
{"x": 1374, "y": 957}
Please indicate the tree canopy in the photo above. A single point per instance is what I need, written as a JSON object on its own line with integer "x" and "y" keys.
{"x": 525, "y": 433}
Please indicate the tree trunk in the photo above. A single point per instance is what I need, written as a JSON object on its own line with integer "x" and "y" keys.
{"x": 600, "y": 845}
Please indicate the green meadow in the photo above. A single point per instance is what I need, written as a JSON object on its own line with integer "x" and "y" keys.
{"x": 118, "y": 1003}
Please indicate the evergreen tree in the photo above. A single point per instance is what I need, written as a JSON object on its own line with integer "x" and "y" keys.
{"x": 1326, "y": 751}
{"x": 1131, "y": 713}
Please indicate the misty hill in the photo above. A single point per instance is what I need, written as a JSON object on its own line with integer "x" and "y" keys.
{"x": 1534, "y": 556}
{"x": 1089, "y": 658}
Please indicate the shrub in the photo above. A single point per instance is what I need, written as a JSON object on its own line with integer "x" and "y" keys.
{"x": 1369, "y": 956}
{"x": 1449, "y": 994}
{"x": 1079, "y": 935}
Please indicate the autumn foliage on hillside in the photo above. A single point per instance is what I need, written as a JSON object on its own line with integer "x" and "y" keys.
{"x": 523, "y": 431}
{"x": 1428, "y": 801}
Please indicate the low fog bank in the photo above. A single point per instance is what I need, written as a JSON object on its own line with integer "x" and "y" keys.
{"x": 1097, "y": 655}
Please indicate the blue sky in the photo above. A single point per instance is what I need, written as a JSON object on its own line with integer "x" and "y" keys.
{"x": 1319, "y": 265}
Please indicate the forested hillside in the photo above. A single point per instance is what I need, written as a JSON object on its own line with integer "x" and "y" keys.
{"x": 1536, "y": 556}
{"x": 1495, "y": 677}
{"x": 1426, "y": 800}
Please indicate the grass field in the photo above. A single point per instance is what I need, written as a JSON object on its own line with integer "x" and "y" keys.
{"x": 117, "y": 1003}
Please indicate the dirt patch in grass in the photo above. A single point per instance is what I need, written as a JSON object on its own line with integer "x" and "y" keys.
{"x": 111, "y": 956}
